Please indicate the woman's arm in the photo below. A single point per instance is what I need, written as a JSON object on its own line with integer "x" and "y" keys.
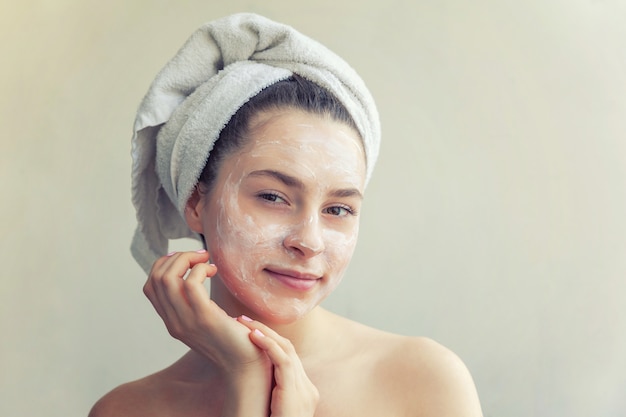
{"x": 175, "y": 289}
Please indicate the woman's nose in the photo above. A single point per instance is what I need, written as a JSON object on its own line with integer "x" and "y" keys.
{"x": 305, "y": 238}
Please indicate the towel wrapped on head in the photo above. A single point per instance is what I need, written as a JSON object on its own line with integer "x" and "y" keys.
{"x": 220, "y": 67}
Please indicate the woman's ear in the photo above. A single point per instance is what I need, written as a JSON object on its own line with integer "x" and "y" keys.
{"x": 193, "y": 211}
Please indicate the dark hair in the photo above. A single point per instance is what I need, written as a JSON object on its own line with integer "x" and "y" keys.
{"x": 294, "y": 92}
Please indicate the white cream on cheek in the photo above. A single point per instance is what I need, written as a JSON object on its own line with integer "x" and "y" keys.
{"x": 246, "y": 247}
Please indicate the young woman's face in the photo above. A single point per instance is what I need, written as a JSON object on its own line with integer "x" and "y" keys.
{"x": 282, "y": 219}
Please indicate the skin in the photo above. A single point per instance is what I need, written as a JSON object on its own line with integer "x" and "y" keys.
{"x": 281, "y": 224}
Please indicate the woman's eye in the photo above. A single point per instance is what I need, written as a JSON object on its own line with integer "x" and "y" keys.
{"x": 339, "y": 211}
{"x": 274, "y": 198}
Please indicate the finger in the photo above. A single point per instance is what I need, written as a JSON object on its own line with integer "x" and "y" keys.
{"x": 193, "y": 287}
{"x": 206, "y": 312}
{"x": 153, "y": 282}
{"x": 165, "y": 278}
{"x": 163, "y": 303}
{"x": 164, "y": 287}
{"x": 181, "y": 262}
{"x": 162, "y": 264}
{"x": 251, "y": 324}
{"x": 150, "y": 293}
{"x": 169, "y": 277}
{"x": 287, "y": 366}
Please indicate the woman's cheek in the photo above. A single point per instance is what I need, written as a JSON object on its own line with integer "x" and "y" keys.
{"x": 245, "y": 248}
{"x": 339, "y": 250}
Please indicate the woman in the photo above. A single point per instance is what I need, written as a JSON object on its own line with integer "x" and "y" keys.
{"x": 276, "y": 205}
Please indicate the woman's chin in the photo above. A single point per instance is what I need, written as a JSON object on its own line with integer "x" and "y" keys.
{"x": 269, "y": 305}
{"x": 281, "y": 313}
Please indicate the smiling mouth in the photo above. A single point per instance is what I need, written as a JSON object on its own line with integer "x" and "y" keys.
{"x": 294, "y": 280}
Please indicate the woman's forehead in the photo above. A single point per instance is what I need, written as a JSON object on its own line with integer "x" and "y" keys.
{"x": 304, "y": 144}
{"x": 297, "y": 128}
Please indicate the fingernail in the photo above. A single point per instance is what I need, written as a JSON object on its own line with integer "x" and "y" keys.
{"x": 258, "y": 333}
{"x": 201, "y": 251}
{"x": 245, "y": 318}
{"x": 171, "y": 253}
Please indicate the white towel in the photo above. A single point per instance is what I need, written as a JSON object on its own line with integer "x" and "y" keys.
{"x": 220, "y": 67}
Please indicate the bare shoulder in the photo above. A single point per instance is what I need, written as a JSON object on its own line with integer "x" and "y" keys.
{"x": 153, "y": 395}
{"x": 427, "y": 378}
{"x": 130, "y": 399}
{"x": 167, "y": 392}
{"x": 432, "y": 378}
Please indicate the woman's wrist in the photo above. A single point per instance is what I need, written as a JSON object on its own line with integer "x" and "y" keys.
{"x": 247, "y": 393}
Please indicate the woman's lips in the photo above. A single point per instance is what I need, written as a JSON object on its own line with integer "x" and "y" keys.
{"x": 294, "y": 280}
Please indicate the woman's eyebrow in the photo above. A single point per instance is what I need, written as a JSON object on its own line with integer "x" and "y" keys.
{"x": 286, "y": 179}
{"x": 346, "y": 193}
{"x": 294, "y": 182}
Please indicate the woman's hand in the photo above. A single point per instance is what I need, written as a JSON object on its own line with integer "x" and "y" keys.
{"x": 175, "y": 289}
{"x": 294, "y": 395}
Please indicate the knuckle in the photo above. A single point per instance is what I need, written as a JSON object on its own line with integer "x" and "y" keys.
{"x": 188, "y": 286}
{"x": 175, "y": 331}
{"x": 157, "y": 264}
{"x": 200, "y": 269}
{"x": 168, "y": 283}
{"x": 148, "y": 291}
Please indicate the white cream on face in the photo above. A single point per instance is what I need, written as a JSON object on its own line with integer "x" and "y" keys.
{"x": 247, "y": 235}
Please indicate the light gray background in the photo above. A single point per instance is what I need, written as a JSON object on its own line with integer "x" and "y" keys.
{"x": 495, "y": 221}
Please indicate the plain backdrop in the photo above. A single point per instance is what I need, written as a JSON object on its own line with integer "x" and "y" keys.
{"x": 495, "y": 222}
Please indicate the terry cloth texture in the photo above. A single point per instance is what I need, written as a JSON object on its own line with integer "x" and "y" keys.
{"x": 220, "y": 67}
